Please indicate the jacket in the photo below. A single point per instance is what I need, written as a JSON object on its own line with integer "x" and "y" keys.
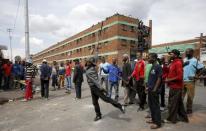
{"x": 126, "y": 72}
{"x": 45, "y": 71}
{"x": 78, "y": 74}
{"x": 176, "y": 70}
{"x": 139, "y": 70}
{"x": 92, "y": 76}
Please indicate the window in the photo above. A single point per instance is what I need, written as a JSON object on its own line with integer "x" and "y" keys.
{"x": 123, "y": 40}
{"x": 93, "y": 34}
{"x": 124, "y": 27}
{"x": 89, "y": 48}
{"x": 132, "y": 29}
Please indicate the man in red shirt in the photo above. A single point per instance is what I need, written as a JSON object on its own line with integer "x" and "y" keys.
{"x": 68, "y": 76}
{"x": 138, "y": 75}
{"x": 7, "y": 74}
{"x": 175, "y": 83}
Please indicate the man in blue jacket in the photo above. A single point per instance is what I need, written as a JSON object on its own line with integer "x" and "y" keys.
{"x": 114, "y": 73}
{"x": 45, "y": 77}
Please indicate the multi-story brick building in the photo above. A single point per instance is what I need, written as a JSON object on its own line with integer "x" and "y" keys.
{"x": 112, "y": 37}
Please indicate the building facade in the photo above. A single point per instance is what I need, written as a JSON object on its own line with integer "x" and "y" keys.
{"x": 110, "y": 38}
{"x": 198, "y": 44}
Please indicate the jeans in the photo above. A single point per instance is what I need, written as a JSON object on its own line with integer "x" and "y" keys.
{"x": 104, "y": 79}
{"x": 44, "y": 88}
{"x": 7, "y": 82}
{"x": 78, "y": 89}
{"x": 176, "y": 107}
{"x": 116, "y": 87}
{"x": 153, "y": 102}
{"x": 69, "y": 82}
{"x": 54, "y": 81}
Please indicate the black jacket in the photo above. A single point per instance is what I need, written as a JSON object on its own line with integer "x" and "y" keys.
{"x": 78, "y": 74}
{"x": 126, "y": 72}
{"x": 92, "y": 77}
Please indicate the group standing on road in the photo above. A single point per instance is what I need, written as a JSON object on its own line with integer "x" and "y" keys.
{"x": 147, "y": 78}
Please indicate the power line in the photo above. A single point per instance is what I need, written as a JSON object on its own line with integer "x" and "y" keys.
{"x": 17, "y": 12}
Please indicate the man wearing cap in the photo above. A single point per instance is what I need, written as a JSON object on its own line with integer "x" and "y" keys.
{"x": 97, "y": 91}
{"x": 78, "y": 78}
{"x": 30, "y": 72}
{"x": 175, "y": 83}
{"x": 45, "y": 77}
{"x": 191, "y": 66}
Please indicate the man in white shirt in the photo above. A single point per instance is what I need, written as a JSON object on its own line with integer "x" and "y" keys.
{"x": 103, "y": 77}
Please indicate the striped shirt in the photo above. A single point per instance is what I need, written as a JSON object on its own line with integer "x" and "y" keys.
{"x": 30, "y": 71}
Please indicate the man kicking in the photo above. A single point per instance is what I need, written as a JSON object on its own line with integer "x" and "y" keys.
{"x": 97, "y": 91}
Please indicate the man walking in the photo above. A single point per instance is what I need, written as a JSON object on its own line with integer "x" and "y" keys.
{"x": 97, "y": 91}
{"x": 175, "y": 83}
{"x": 153, "y": 87}
{"x": 78, "y": 78}
{"x": 45, "y": 77}
{"x": 30, "y": 72}
{"x": 191, "y": 65}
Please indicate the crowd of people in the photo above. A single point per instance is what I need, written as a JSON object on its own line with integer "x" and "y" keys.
{"x": 147, "y": 79}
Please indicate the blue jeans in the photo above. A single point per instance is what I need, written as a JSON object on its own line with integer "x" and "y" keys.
{"x": 114, "y": 85}
{"x": 69, "y": 82}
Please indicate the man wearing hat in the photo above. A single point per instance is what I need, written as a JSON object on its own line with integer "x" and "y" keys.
{"x": 30, "y": 72}
{"x": 191, "y": 66}
{"x": 45, "y": 77}
{"x": 78, "y": 78}
{"x": 97, "y": 91}
{"x": 175, "y": 83}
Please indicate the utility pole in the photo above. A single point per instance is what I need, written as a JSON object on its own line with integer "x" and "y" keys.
{"x": 27, "y": 48}
{"x": 10, "y": 37}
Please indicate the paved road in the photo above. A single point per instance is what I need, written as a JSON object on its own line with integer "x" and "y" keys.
{"x": 62, "y": 113}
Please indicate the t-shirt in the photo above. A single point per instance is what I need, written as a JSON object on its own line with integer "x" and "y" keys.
{"x": 105, "y": 66}
{"x": 154, "y": 74}
{"x": 147, "y": 71}
{"x": 7, "y": 69}
{"x": 190, "y": 69}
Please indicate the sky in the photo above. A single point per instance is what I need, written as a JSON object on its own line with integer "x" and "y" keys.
{"x": 52, "y": 21}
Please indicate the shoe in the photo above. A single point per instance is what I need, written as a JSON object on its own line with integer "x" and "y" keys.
{"x": 140, "y": 109}
{"x": 148, "y": 116}
{"x": 162, "y": 109}
{"x": 167, "y": 121}
{"x": 24, "y": 100}
{"x": 154, "y": 126}
{"x": 189, "y": 112}
{"x": 97, "y": 118}
{"x": 123, "y": 109}
{"x": 131, "y": 103}
{"x": 68, "y": 91}
{"x": 149, "y": 121}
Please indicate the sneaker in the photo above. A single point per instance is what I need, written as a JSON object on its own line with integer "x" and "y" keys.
{"x": 140, "y": 109}
{"x": 189, "y": 112}
{"x": 154, "y": 126}
{"x": 24, "y": 100}
{"x": 97, "y": 118}
{"x": 123, "y": 109}
{"x": 162, "y": 109}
